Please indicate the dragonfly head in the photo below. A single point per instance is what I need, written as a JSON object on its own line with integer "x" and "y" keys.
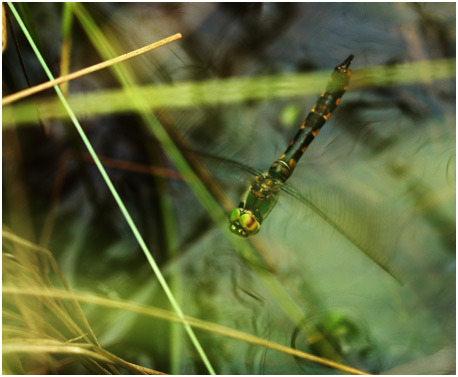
{"x": 243, "y": 222}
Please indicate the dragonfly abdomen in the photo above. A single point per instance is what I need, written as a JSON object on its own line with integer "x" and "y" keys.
{"x": 283, "y": 167}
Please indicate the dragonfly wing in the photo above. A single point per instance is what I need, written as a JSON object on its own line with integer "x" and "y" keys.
{"x": 361, "y": 221}
{"x": 234, "y": 165}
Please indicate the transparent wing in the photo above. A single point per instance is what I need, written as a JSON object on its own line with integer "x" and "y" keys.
{"x": 362, "y": 220}
{"x": 233, "y": 165}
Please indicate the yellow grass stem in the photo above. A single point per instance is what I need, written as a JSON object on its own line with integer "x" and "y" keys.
{"x": 85, "y": 71}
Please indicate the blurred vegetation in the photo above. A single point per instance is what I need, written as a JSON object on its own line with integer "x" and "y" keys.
{"x": 78, "y": 294}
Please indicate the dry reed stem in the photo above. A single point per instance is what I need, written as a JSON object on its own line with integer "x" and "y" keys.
{"x": 49, "y": 84}
{"x": 194, "y": 322}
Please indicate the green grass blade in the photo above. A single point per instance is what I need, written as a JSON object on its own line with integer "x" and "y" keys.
{"x": 66, "y": 31}
{"x": 231, "y": 91}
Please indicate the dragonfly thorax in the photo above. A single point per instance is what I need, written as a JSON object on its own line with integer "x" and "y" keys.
{"x": 264, "y": 187}
{"x": 261, "y": 198}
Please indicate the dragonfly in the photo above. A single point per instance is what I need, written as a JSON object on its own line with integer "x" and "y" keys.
{"x": 263, "y": 194}
{"x": 264, "y": 191}
{"x": 359, "y": 219}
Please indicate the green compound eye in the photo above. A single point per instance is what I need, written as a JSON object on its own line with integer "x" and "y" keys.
{"x": 234, "y": 216}
{"x": 249, "y": 223}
